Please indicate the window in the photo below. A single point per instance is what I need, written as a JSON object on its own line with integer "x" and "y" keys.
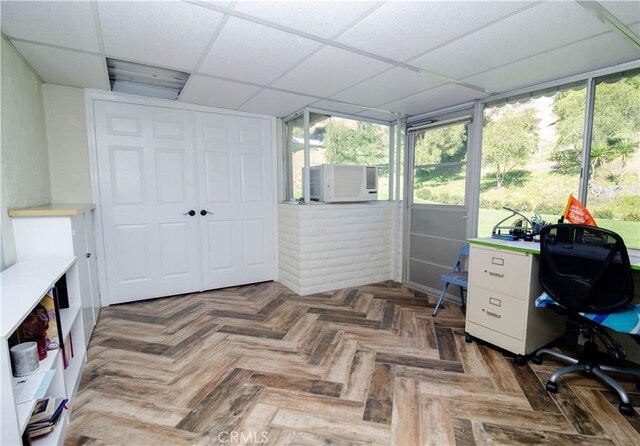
{"x": 533, "y": 150}
{"x": 337, "y": 140}
{"x": 531, "y": 155}
{"x": 613, "y": 193}
{"x": 440, "y": 165}
{"x": 295, "y": 149}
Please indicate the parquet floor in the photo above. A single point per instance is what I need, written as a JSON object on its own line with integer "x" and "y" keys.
{"x": 368, "y": 365}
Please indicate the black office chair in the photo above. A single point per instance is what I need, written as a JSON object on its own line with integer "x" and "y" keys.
{"x": 586, "y": 273}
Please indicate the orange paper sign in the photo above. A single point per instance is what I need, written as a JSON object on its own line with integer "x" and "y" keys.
{"x": 576, "y": 213}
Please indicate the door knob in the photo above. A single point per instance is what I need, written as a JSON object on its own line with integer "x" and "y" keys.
{"x": 204, "y": 212}
{"x": 191, "y": 213}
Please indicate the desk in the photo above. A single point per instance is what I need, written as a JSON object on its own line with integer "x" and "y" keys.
{"x": 503, "y": 286}
{"x": 534, "y": 248}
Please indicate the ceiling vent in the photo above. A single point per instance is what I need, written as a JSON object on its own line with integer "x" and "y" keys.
{"x": 145, "y": 80}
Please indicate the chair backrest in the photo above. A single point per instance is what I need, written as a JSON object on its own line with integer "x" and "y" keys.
{"x": 464, "y": 252}
{"x": 585, "y": 268}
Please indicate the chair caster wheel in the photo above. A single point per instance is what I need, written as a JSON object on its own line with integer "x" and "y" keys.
{"x": 626, "y": 409}
{"x": 552, "y": 387}
{"x": 536, "y": 360}
{"x": 520, "y": 360}
{"x": 467, "y": 338}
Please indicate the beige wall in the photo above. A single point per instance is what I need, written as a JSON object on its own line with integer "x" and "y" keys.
{"x": 67, "y": 142}
{"x": 25, "y": 177}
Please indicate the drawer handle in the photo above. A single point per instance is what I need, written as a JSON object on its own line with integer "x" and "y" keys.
{"x": 494, "y": 301}
{"x": 491, "y": 273}
{"x": 494, "y": 314}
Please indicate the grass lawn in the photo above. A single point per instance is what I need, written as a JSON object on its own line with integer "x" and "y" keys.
{"x": 629, "y": 230}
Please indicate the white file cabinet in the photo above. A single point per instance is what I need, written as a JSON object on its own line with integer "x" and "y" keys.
{"x": 503, "y": 286}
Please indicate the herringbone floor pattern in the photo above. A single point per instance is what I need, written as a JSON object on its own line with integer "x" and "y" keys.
{"x": 368, "y": 365}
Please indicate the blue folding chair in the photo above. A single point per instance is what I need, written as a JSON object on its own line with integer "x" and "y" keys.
{"x": 455, "y": 277}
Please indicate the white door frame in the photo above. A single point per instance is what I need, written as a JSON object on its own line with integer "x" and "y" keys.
{"x": 91, "y": 95}
{"x": 472, "y": 186}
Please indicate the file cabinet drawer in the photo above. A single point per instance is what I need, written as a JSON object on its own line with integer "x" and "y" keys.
{"x": 507, "y": 272}
{"x": 497, "y": 312}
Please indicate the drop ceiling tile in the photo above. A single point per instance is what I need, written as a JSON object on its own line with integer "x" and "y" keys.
{"x": 402, "y": 30}
{"x": 380, "y": 115}
{"x": 167, "y": 34}
{"x": 254, "y": 53}
{"x": 337, "y": 107}
{"x": 580, "y": 57}
{"x": 436, "y": 99}
{"x": 216, "y": 92}
{"x": 276, "y": 103}
{"x": 389, "y": 86}
{"x": 68, "y": 24}
{"x": 533, "y": 31}
{"x": 329, "y": 71}
{"x": 626, "y": 12}
{"x": 323, "y": 19}
{"x": 65, "y": 67}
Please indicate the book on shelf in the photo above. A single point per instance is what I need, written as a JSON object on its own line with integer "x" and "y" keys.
{"x": 62, "y": 292}
{"x": 45, "y": 415}
{"x": 53, "y": 333}
{"x": 34, "y": 386}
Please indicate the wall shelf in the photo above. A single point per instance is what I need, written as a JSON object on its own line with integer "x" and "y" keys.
{"x": 22, "y": 287}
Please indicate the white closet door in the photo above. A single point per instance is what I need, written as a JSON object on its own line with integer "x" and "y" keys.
{"x": 147, "y": 183}
{"x": 235, "y": 187}
{"x": 93, "y": 266}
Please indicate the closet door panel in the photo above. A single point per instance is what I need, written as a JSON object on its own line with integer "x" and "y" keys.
{"x": 146, "y": 170}
{"x": 234, "y": 158}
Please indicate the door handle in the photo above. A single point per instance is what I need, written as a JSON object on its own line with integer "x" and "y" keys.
{"x": 204, "y": 212}
{"x": 191, "y": 213}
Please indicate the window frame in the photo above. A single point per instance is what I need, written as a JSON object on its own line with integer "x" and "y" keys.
{"x": 287, "y": 172}
{"x": 591, "y": 80}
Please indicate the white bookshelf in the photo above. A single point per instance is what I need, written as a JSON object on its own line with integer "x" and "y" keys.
{"x": 22, "y": 286}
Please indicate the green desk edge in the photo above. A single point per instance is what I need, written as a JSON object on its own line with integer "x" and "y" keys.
{"x": 515, "y": 249}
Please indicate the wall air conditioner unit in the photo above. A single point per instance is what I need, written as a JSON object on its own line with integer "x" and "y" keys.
{"x": 334, "y": 183}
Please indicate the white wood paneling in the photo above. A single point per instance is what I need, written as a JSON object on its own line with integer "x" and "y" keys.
{"x": 236, "y": 189}
{"x": 147, "y": 184}
{"x": 153, "y": 247}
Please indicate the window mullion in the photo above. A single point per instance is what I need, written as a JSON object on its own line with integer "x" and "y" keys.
{"x": 306, "y": 186}
{"x": 586, "y": 139}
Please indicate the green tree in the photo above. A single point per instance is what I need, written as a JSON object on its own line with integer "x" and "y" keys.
{"x": 509, "y": 140}
{"x": 441, "y": 145}
{"x": 363, "y": 144}
{"x": 600, "y": 154}
{"x": 624, "y": 151}
{"x": 616, "y": 121}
